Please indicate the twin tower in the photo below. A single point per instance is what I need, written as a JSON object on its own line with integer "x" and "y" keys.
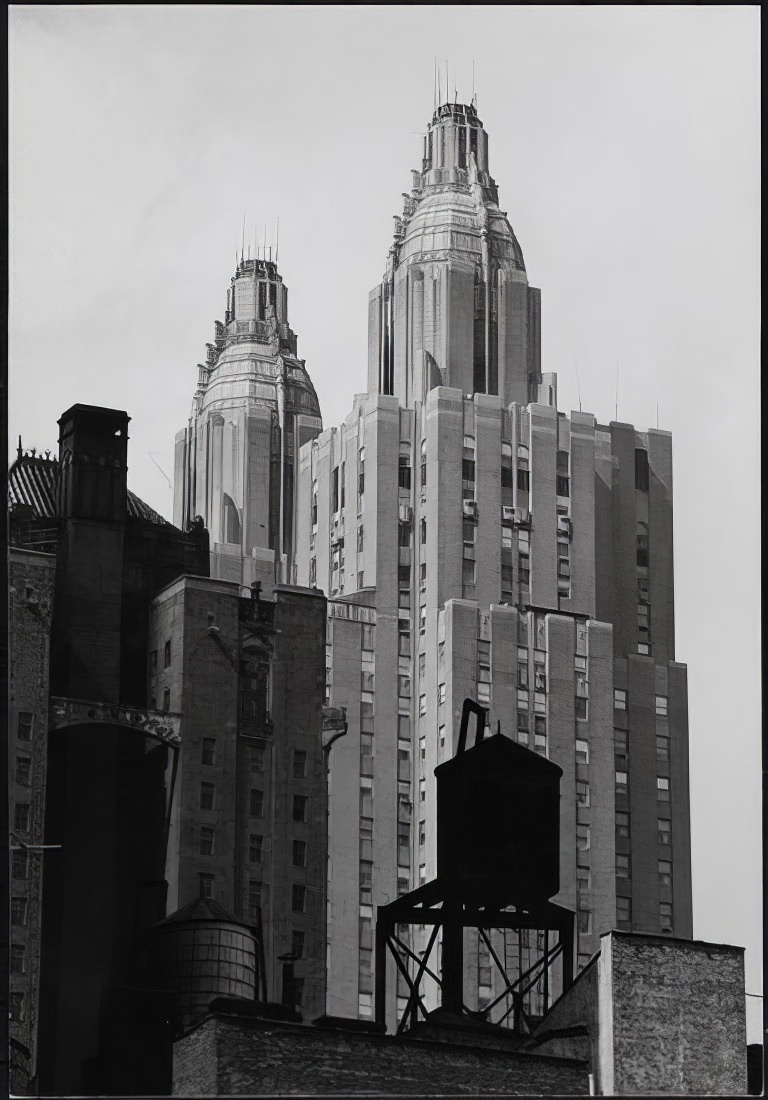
{"x": 453, "y": 309}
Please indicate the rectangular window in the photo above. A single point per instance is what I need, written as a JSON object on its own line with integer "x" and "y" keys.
{"x": 662, "y": 748}
{"x": 360, "y": 538}
{"x": 167, "y": 700}
{"x": 17, "y": 1008}
{"x": 299, "y": 764}
{"x": 20, "y": 864}
{"x": 507, "y": 476}
{"x": 623, "y": 912}
{"x": 523, "y": 480}
{"x": 619, "y": 699}
{"x": 582, "y": 751}
{"x": 404, "y": 643}
{"x": 297, "y": 943}
{"x": 404, "y": 472}
{"x": 18, "y": 958}
{"x": 641, "y": 470}
{"x": 21, "y": 813}
{"x": 256, "y": 808}
{"x": 298, "y": 898}
{"x": 469, "y": 529}
{"x": 582, "y": 792}
{"x": 582, "y": 838}
{"x": 583, "y": 880}
{"x": 662, "y": 788}
{"x": 299, "y": 807}
{"x": 255, "y": 846}
{"x": 366, "y": 803}
{"x": 206, "y": 886}
{"x": 563, "y": 486}
{"x": 665, "y": 916}
{"x": 299, "y": 853}
{"x": 207, "y": 792}
{"x": 622, "y": 865}
{"x": 467, "y": 470}
{"x": 335, "y": 488}
{"x": 403, "y": 765}
{"x": 25, "y": 722}
{"x": 642, "y": 545}
{"x": 18, "y": 911}
{"x": 23, "y": 770}
{"x": 207, "y": 840}
{"x": 581, "y": 706}
{"x": 621, "y": 782}
{"x": 366, "y": 681}
{"x": 167, "y": 654}
{"x": 209, "y": 750}
{"x": 441, "y": 693}
{"x": 665, "y": 872}
{"x": 404, "y": 687}
{"x": 256, "y": 758}
{"x": 665, "y": 830}
{"x": 467, "y": 572}
{"x": 254, "y": 899}
{"x": 622, "y": 825}
{"x": 661, "y": 705}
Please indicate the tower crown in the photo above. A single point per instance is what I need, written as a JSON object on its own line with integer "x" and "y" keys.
{"x": 456, "y": 149}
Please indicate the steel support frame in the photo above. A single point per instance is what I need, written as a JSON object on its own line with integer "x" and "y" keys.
{"x": 433, "y": 904}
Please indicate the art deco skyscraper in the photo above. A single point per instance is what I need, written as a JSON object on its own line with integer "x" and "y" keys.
{"x": 475, "y": 541}
{"x": 254, "y": 407}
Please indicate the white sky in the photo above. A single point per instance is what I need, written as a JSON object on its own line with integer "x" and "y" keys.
{"x": 625, "y": 142}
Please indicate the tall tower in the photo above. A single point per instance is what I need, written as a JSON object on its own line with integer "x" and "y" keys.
{"x": 253, "y": 409}
{"x": 454, "y": 307}
{"x": 475, "y": 541}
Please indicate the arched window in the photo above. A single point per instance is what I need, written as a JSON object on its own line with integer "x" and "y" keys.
{"x": 232, "y": 530}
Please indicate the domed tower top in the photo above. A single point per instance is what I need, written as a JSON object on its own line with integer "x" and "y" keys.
{"x": 253, "y": 408}
{"x": 454, "y": 307}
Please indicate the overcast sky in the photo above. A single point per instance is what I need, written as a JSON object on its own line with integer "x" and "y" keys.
{"x": 625, "y": 142}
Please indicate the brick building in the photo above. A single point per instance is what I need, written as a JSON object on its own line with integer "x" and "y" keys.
{"x": 504, "y": 551}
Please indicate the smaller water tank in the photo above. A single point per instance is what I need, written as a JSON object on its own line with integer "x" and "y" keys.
{"x": 199, "y": 953}
{"x": 498, "y": 824}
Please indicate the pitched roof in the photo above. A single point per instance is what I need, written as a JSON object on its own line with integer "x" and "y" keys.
{"x": 32, "y": 481}
{"x": 202, "y": 909}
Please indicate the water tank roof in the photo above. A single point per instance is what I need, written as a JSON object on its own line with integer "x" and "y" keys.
{"x": 499, "y": 752}
{"x": 202, "y": 909}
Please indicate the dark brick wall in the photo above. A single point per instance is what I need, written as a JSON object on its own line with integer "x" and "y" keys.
{"x": 230, "y": 1056}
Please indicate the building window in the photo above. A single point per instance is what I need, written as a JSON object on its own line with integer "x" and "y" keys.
{"x": 662, "y": 788}
{"x": 404, "y": 472}
{"x": 623, "y": 912}
{"x": 403, "y": 765}
{"x": 299, "y": 764}
{"x": 641, "y": 470}
{"x": 404, "y": 687}
{"x": 583, "y": 879}
{"x": 580, "y": 706}
{"x": 582, "y": 751}
{"x": 254, "y": 899}
{"x": 665, "y": 830}
{"x": 404, "y": 643}
{"x": 367, "y": 637}
{"x": 642, "y": 545}
{"x": 622, "y": 825}
{"x": 622, "y": 865}
{"x": 523, "y": 479}
{"x": 207, "y": 840}
{"x": 584, "y": 921}
{"x": 620, "y": 746}
{"x": 256, "y": 807}
{"x": 206, "y": 886}
{"x": 661, "y": 705}
{"x": 297, "y": 943}
{"x": 619, "y": 699}
{"x": 582, "y": 838}
{"x": 255, "y": 847}
{"x": 662, "y": 748}
{"x": 366, "y": 804}
{"x": 209, "y": 750}
{"x": 18, "y": 911}
{"x": 299, "y": 853}
{"x": 256, "y": 759}
{"x": 18, "y": 958}
{"x": 422, "y": 790}
{"x": 423, "y": 463}
{"x": 582, "y": 791}
{"x": 366, "y": 681}
{"x": 621, "y": 782}
{"x": 441, "y": 693}
{"x": 366, "y": 875}
{"x": 167, "y": 654}
{"x": 665, "y": 916}
{"x": 23, "y": 770}
{"x": 17, "y": 1009}
{"x": 24, "y": 724}
{"x": 665, "y": 872}
{"x": 469, "y": 529}
{"x": 207, "y": 792}
{"x": 21, "y": 813}
{"x": 299, "y": 807}
{"x": 298, "y": 898}
{"x": 167, "y": 700}
{"x": 20, "y": 864}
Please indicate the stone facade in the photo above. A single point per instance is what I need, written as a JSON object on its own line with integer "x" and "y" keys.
{"x": 248, "y": 823}
{"x": 30, "y": 608}
{"x": 656, "y": 1017}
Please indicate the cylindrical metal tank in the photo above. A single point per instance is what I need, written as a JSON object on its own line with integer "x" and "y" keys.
{"x": 498, "y": 824}
{"x": 202, "y": 952}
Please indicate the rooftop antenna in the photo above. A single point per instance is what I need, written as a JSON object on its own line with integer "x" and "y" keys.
{"x": 270, "y": 253}
{"x": 473, "y": 83}
{"x": 434, "y": 86}
{"x": 617, "y": 385}
{"x": 265, "y": 241}
{"x": 446, "y": 80}
{"x": 578, "y": 390}
{"x": 242, "y": 247}
{"x": 277, "y": 240}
